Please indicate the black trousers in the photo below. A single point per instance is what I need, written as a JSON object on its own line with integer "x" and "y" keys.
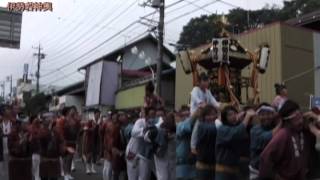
{"x": 43, "y": 178}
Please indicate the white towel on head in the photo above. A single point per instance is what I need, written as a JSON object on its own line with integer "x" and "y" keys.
{"x": 254, "y": 173}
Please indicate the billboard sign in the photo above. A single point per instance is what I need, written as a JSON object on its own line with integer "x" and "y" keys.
{"x": 10, "y": 28}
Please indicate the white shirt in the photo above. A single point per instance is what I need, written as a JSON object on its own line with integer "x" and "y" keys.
{"x": 6, "y": 129}
{"x": 198, "y": 96}
{"x": 137, "y": 136}
{"x": 158, "y": 124}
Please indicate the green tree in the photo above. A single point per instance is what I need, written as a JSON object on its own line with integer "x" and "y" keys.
{"x": 202, "y": 29}
{"x": 199, "y": 30}
{"x": 36, "y": 104}
{"x": 296, "y": 8}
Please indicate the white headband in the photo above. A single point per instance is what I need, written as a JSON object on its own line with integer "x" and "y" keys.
{"x": 289, "y": 117}
{"x": 265, "y": 108}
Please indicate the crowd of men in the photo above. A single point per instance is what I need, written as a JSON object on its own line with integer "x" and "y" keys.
{"x": 206, "y": 141}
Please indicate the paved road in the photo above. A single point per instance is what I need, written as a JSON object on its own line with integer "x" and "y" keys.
{"x": 80, "y": 173}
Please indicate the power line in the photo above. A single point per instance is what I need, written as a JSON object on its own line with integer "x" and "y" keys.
{"x": 64, "y": 76}
{"x": 69, "y": 77}
{"x": 77, "y": 17}
{"x": 83, "y": 55}
{"x": 190, "y": 12}
{"x": 86, "y": 53}
{"x": 151, "y": 14}
{"x": 230, "y": 4}
{"x": 83, "y": 41}
{"x": 109, "y": 43}
{"x": 166, "y": 7}
{"x": 181, "y": 7}
{"x": 192, "y": 3}
{"x": 61, "y": 78}
{"x": 302, "y": 74}
{"x": 50, "y": 33}
{"x": 80, "y": 48}
{"x": 127, "y": 10}
{"x": 69, "y": 74}
{"x": 72, "y": 31}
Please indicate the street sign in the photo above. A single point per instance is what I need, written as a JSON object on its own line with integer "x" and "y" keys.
{"x": 10, "y": 28}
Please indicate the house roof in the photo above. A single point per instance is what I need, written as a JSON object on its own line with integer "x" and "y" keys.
{"x": 135, "y": 73}
{"x": 275, "y": 24}
{"x": 154, "y": 66}
{"x": 138, "y": 82}
{"x": 72, "y": 89}
{"x": 112, "y": 56}
{"x": 310, "y": 20}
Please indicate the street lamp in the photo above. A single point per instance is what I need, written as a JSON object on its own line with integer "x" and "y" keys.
{"x": 134, "y": 50}
{"x": 9, "y": 79}
{"x": 142, "y": 55}
{"x": 147, "y": 60}
{"x": 119, "y": 61}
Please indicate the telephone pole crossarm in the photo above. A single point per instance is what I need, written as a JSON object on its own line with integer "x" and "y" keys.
{"x": 40, "y": 57}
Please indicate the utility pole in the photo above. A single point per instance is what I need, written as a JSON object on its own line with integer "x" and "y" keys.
{"x": 158, "y": 4}
{"x": 248, "y": 16}
{"x": 3, "y": 86}
{"x": 160, "y": 47}
{"x": 9, "y": 79}
{"x": 40, "y": 56}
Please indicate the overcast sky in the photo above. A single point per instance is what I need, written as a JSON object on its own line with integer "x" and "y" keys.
{"x": 77, "y": 26}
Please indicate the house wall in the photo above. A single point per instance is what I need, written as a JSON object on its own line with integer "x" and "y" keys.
{"x": 131, "y": 61}
{"x": 168, "y": 92}
{"x": 270, "y": 35}
{"x": 293, "y": 51}
{"x": 109, "y": 78}
{"x": 77, "y": 101}
{"x": 69, "y": 100}
{"x": 130, "y": 98}
{"x": 109, "y": 83}
{"x": 134, "y": 97}
{"x": 316, "y": 49}
{"x": 94, "y": 84}
{"x": 183, "y": 85}
{"x": 297, "y": 58}
{"x": 252, "y": 40}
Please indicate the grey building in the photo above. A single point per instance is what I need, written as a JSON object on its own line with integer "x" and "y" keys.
{"x": 111, "y": 77}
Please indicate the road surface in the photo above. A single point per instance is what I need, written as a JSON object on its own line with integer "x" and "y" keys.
{"x": 80, "y": 173}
